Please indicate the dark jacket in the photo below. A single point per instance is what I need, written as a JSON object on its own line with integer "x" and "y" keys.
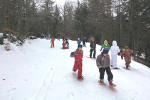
{"x": 93, "y": 45}
{"x": 103, "y": 61}
{"x": 84, "y": 40}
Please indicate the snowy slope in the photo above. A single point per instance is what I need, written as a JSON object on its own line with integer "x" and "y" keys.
{"x": 37, "y": 72}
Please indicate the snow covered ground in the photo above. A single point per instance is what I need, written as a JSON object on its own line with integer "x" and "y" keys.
{"x": 35, "y": 71}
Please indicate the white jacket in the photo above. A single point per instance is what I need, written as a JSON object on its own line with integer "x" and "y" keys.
{"x": 114, "y": 48}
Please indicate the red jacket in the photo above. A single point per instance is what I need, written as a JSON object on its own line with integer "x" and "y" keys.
{"x": 52, "y": 39}
{"x": 78, "y": 55}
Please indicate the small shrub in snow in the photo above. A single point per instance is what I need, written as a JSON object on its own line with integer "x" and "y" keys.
{"x": 4, "y": 36}
{"x": 20, "y": 40}
{"x": 13, "y": 39}
{"x": 7, "y": 47}
{"x": 1, "y": 40}
{"x": 32, "y": 37}
{"x": 1, "y": 35}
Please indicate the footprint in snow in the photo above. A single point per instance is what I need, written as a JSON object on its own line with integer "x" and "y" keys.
{"x": 71, "y": 94}
{"x": 11, "y": 90}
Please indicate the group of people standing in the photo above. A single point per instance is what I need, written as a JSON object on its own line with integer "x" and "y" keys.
{"x": 84, "y": 42}
{"x": 103, "y": 60}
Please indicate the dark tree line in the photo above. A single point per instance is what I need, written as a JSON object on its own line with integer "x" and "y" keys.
{"x": 127, "y": 21}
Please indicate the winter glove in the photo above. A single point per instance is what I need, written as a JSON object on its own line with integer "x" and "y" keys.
{"x": 122, "y": 57}
{"x": 119, "y": 54}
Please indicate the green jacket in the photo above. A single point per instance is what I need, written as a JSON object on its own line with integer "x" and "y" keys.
{"x": 104, "y": 46}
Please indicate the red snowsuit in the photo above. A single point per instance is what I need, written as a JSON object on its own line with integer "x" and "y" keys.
{"x": 78, "y": 62}
{"x": 52, "y": 42}
{"x": 64, "y": 45}
{"x": 127, "y": 56}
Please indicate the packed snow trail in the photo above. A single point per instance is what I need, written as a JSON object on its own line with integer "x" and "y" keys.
{"x": 35, "y": 71}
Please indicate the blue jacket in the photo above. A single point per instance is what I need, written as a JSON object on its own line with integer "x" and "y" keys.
{"x": 79, "y": 42}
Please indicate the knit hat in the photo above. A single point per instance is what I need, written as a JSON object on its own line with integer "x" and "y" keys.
{"x": 105, "y": 50}
{"x": 79, "y": 46}
{"x": 92, "y": 38}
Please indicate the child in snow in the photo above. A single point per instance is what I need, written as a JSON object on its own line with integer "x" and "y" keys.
{"x": 79, "y": 41}
{"x": 114, "y": 52}
{"x": 64, "y": 45}
{"x": 67, "y": 42}
{"x": 127, "y": 56}
{"x": 105, "y": 45}
{"x": 93, "y": 48}
{"x": 103, "y": 63}
{"x": 84, "y": 40}
{"x": 52, "y": 42}
{"x": 78, "y": 62}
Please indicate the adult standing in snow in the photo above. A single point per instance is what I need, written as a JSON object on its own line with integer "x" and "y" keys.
{"x": 103, "y": 63}
{"x": 79, "y": 41}
{"x": 105, "y": 45}
{"x": 84, "y": 40}
{"x": 52, "y": 42}
{"x": 78, "y": 61}
{"x": 114, "y": 52}
{"x": 93, "y": 47}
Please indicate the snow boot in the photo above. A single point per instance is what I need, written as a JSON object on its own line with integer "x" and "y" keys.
{"x": 80, "y": 78}
{"x": 111, "y": 85}
{"x": 116, "y": 68}
{"x": 127, "y": 67}
{"x": 73, "y": 70}
{"x": 101, "y": 82}
{"x": 111, "y": 65}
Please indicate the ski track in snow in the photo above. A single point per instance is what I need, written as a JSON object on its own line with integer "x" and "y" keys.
{"x": 35, "y": 71}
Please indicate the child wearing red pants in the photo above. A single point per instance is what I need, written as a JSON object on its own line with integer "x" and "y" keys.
{"x": 52, "y": 42}
{"x": 78, "y": 62}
